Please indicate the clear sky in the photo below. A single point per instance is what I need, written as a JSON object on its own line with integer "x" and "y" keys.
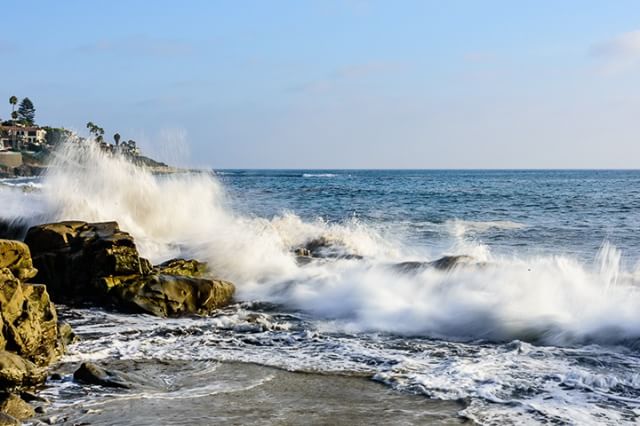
{"x": 338, "y": 84}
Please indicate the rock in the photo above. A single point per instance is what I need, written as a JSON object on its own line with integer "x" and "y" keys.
{"x": 91, "y": 374}
{"x": 15, "y": 256}
{"x": 16, "y": 407}
{"x": 29, "y": 334}
{"x": 98, "y": 263}
{"x": 66, "y": 334}
{"x": 323, "y": 247}
{"x": 16, "y": 371}
{"x": 302, "y": 252}
{"x": 445, "y": 263}
{"x": 30, "y": 397}
{"x": 169, "y": 295}
{"x": 187, "y": 268}
{"x": 69, "y": 255}
{"x": 30, "y": 322}
{"x": 7, "y": 420}
{"x": 449, "y": 262}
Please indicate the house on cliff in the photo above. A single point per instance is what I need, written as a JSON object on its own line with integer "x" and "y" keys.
{"x": 18, "y": 136}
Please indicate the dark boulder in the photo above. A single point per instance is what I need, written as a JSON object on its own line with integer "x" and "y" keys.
{"x": 17, "y": 372}
{"x": 323, "y": 247}
{"x": 445, "y": 263}
{"x": 91, "y": 374}
{"x": 15, "y": 407}
{"x": 97, "y": 263}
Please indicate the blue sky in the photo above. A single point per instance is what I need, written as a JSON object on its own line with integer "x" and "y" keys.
{"x": 338, "y": 84}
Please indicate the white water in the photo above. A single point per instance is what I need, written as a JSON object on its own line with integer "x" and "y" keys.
{"x": 552, "y": 299}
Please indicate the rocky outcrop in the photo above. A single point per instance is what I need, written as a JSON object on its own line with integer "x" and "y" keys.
{"x": 30, "y": 338}
{"x": 91, "y": 374}
{"x": 28, "y": 319}
{"x": 323, "y": 247}
{"x": 445, "y": 263}
{"x": 98, "y": 263}
{"x": 14, "y": 406}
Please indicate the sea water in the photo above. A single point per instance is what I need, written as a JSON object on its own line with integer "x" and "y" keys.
{"x": 542, "y": 325}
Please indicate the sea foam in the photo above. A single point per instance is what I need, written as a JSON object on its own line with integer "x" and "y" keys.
{"x": 550, "y": 299}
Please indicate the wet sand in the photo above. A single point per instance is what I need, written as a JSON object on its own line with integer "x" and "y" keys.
{"x": 241, "y": 394}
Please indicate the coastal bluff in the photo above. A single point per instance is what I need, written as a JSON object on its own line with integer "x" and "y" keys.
{"x": 97, "y": 264}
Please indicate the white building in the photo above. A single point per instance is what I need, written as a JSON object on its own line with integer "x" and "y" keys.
{"x": 17, "y": 136}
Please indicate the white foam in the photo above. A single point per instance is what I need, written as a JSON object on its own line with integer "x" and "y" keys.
{"x": 552, "y": 299}
{"x": 319, "y": 175}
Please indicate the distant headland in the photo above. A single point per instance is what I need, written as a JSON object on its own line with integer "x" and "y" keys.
{"x": 25, "y": 146}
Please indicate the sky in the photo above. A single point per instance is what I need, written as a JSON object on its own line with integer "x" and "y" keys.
{"x": 337, "y": 84}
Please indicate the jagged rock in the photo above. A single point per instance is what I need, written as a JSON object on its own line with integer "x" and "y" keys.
{"x": 91, "y": 374}
{"x": 29, "y": 320}
{"x": 16, "y": 371}
{"x": 15, "y": 256}
{"x": 323, "y": 247}
{"x": 187, "y": 268}
{"x": 29, "y": 334}
{"x": 169, "y": 295}
{"x": 16, "y": 407}
{"x": 69, "y": 255}
{"x": 99, "y": 263}
{"x": 445, "y": 263}
{"x": 7, "y": 420}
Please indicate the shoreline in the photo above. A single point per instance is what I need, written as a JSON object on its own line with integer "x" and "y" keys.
{"x": 245, "y": 393}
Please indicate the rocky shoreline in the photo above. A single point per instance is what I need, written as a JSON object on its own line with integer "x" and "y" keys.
{"x": 97, "y": 265}
{"x": 82, "y": 264}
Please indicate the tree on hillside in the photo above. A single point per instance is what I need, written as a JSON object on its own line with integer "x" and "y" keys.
{"x": 14, "y": 115}
{"x": 116, "y": 138}
{"x": 96, "y": 131}
{"x": 27, "y": 112}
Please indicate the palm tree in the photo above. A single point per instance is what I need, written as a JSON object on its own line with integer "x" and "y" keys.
{"x": 116, "y": 138}
{"x": 13, "y": 101}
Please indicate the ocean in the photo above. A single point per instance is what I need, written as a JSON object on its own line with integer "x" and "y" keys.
{"x": 540, "y": 325}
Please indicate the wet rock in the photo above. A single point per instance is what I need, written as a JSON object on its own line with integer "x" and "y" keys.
{"x": 56, "y": 376}
{"x": 302, "y": 251}
{"x": 323, "y": 247}
{"x": 449, "y": 262}
{"x": 98, "y": 263}
{"x": 16, "y": 407}
{"x": 169, "y": 295}
{"x": 7, "y": 420}
{"x": 69, "y": 255}
{"x": 91, "y": 374}
{"x": 29, "y": 320}
{"x": 16, "y": 372}
{"x": 15, "y": 256}
{"x": 187, "y": 268}
{"x": 445, "y": 263}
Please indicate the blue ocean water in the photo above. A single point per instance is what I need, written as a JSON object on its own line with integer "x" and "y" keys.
{"x": 558, "y": 211}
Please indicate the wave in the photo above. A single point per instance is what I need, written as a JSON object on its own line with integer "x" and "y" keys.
{"x": 548, "y": 299}
{"x": 460, "y": 228}
{"x": 28, "y": 183}
{"x": 319, "y": 175}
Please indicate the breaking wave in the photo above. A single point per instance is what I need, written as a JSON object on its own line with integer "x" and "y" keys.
{"x": 549, "y": 299}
